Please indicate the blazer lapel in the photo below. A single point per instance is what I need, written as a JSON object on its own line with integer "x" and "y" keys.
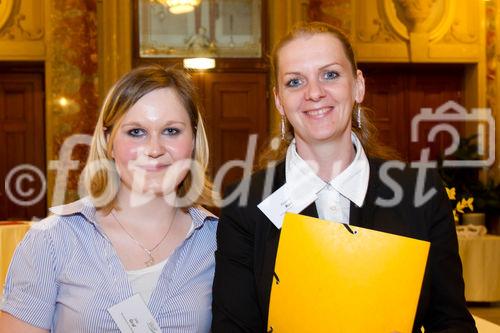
{"x": 355, "y": 215}
{"x": 363, "y": 216}
{"x": 310, "y": 210}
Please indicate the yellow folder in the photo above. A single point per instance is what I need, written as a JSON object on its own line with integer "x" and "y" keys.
{"x": 328, "y": 279}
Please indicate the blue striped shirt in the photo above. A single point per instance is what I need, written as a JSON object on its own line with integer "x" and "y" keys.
{"x": 65, "y": 274}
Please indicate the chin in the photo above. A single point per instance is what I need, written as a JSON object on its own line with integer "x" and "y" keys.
{"x": 323, "y": 136}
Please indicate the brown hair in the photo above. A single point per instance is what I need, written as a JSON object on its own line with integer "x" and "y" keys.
{"x": 367, "y": 134}
{"x": 121, "y": 97}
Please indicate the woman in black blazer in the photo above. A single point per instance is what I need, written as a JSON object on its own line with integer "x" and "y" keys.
{"x": 318, "y": 91}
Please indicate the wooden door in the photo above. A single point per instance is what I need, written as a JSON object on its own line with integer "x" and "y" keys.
{"x": 235, "y": 108}
{"x": 396, "y": 93}
{"x": 22, "y": 146}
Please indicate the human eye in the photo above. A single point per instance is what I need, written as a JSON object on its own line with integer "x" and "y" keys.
{"x": 330, "y": 75}
{"x": 294, "y": 82}
{"x": 171, "y": 131}
{"x": 136, "y": 132}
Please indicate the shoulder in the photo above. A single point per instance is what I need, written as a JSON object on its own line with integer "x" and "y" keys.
{"x": 404, "y": 173}
{"x": 65, "y": 220}
{"x": 251, "y": 190}
{"x": 202, "y": 216}
{"x": 240, "y": 213}
{"x": 418, "y": 183}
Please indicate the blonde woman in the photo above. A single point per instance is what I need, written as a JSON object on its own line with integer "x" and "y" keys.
{"x": 138, "y": 250}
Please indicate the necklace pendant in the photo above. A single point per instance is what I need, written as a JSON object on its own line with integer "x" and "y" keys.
{"x": 150, "y": 262}
{"x": 151, "y": 259}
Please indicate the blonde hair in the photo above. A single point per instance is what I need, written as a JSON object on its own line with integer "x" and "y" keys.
{"x": 100, "y": 175}
{"x": 367, "y": 134}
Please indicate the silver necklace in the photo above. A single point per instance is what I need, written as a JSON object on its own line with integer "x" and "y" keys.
{"x": 149, "y": 252}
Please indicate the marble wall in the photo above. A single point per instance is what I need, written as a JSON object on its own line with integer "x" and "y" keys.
{"x": 491, "y": 53}
{"x": 71, "y": 91}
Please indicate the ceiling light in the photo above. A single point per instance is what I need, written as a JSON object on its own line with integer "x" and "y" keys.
{"x": 181, "y": 6}
{"x": 199, "y": 63}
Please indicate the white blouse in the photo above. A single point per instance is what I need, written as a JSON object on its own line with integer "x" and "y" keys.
{"x": 333, "y": 197}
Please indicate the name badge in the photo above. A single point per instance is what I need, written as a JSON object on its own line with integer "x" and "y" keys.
{"x": 285, "y": 200}
{"x": 132, "y": 315}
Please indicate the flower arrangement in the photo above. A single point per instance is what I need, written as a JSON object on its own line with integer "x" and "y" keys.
{"x": 466, "y": 185}
{"x": 460, "y": 205}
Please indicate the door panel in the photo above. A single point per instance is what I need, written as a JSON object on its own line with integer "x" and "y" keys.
{"x": 235, "y": 107}
{"x": 22, "y": 145}
{"x": 396, "y": 93}
{"x": 387, "y": 107}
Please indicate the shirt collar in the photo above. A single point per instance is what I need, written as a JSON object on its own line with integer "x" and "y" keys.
{"x": 352, "y": 182}
{"x": 83, "y": 206}
{"x": 199, "y": 215}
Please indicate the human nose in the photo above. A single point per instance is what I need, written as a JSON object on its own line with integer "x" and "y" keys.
{"x": 314, "y": 90}
{"x": 154, "y": 147}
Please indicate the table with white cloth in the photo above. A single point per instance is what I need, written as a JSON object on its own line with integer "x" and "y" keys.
{"x": 11, "y": 234}
{"x": 481, "y": 267}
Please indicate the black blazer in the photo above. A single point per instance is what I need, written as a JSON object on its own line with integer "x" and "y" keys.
{"x": 248, "y": 242}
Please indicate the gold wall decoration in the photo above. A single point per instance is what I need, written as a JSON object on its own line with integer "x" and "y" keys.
{"x": 404, "y": 18}
{"x": 334, "y": 12}
{"x": 414, "y": 13}
{"x": 114, "y": 42}
{"x": 6, "y": 8}
{"x": 418, "y": 30}
{"x": 379, "y": 31}
{"x": 22, "y": 29}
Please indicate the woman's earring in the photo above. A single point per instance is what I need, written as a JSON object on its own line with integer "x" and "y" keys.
{"x": 358, "y": 114}
{"x": 283, "y": 127}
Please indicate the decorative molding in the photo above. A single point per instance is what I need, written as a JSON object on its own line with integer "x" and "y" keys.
{"x": 21, "y": 21}
{"x": 6, "y": 9}
{"x": 370, "y": 25}
{"x": 460, "y": 36}
{"x": 414, "y": 13}
{"x": 395, "y": 31}
{"x": 334, "y": 12}
{"x": 381, "y": 33}
{"x": 437, "y": 22}
{"x": 18, "y": 32}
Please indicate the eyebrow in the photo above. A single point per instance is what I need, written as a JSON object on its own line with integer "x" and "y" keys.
{"x": 331, "y": 64}
{"x": 322, "y": 67}
{"x": 168, "y": 123}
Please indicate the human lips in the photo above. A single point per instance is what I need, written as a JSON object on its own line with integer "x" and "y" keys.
{"x": 153, "y": 167}
{"x": 318, "y": 112}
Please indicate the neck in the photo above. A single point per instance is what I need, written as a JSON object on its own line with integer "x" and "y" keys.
{"x": 146, "y": 208}
{"x": 330, "y": 158}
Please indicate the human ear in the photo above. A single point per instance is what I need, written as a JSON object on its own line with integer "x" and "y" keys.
{"x": 277, "y": 102}
{"x": 359, "y": 94}
{"x": 107, "y": 137}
